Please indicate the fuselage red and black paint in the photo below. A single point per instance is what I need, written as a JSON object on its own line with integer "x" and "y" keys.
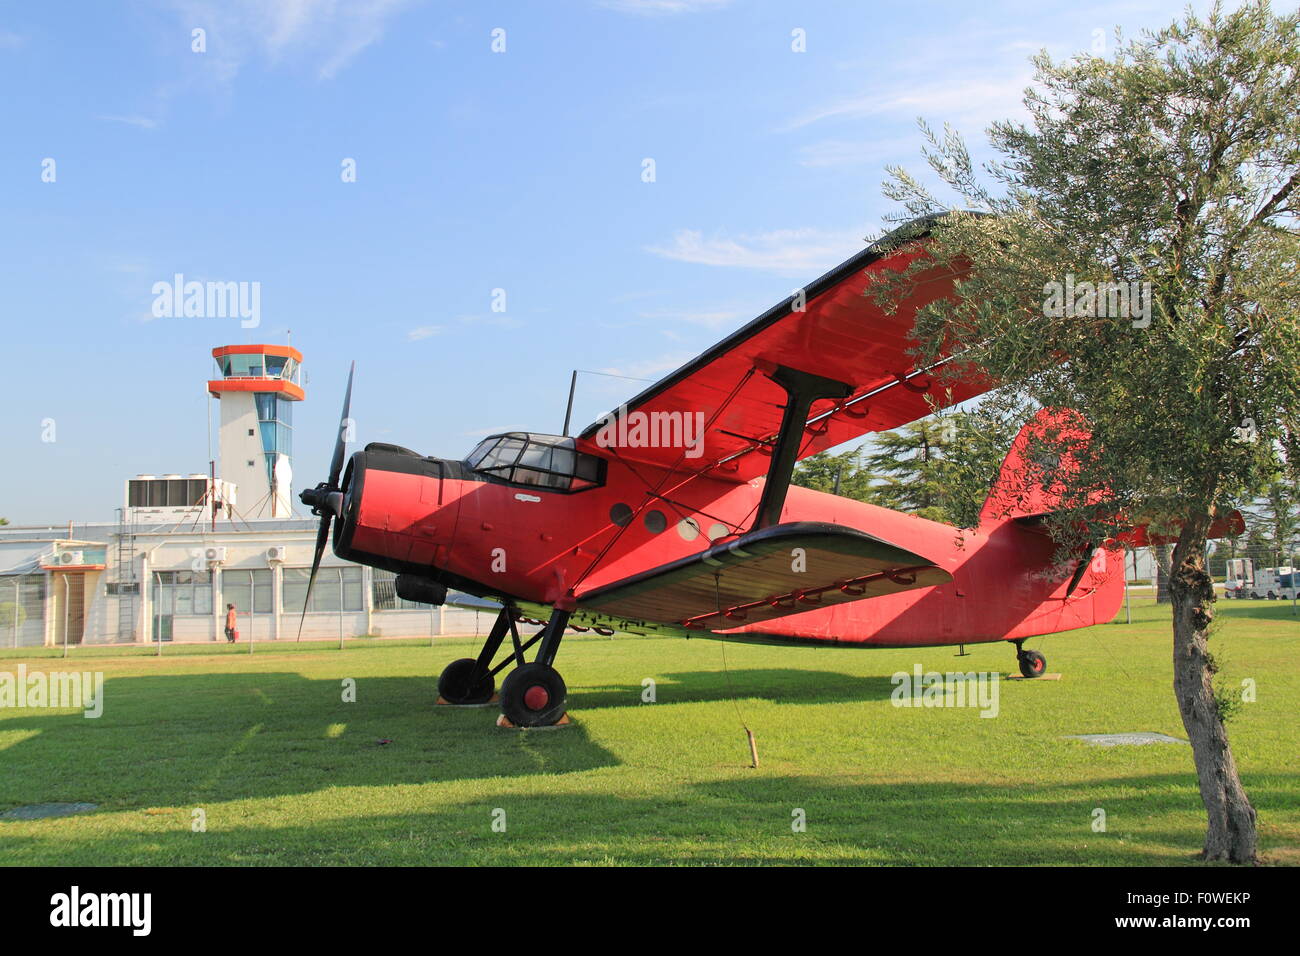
{"x": 442, "y": 521}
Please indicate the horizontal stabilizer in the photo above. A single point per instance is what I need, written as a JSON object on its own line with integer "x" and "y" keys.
{"x": 1229, "y": 525}
{"x": 782, "y": 570}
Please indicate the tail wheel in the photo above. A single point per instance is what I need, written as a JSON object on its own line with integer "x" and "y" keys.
{"x": 1032, "y": 663}
{"x": 457, "y": 685}
{"x": 533, "y": 695}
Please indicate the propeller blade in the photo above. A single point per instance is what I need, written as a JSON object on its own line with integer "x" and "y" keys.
{"x": 326, "y": 498}
{"x": 322, "y": 536}
{"x": 340, "y": 445}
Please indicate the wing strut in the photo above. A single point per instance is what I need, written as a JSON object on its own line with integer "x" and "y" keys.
{"x": 801, "y": 390}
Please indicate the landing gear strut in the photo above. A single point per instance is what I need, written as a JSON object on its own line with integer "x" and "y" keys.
{"x": 534, "y": 693}
{"x": 1032, "y": 664}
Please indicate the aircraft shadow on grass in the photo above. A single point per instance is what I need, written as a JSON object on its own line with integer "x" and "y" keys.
{"x": 210, "y": 736}
{"x": 779, "y": 685}
{"x": 217, "y": 737}
{"x": 732, "y": 821}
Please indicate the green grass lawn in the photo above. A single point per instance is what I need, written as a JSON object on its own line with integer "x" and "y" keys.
{"x": 287, "y": 773}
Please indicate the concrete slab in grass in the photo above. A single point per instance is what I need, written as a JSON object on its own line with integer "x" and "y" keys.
{"x": 1126, "y": 740}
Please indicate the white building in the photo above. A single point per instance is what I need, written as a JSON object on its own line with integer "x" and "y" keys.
{"x": 185, "y": 546}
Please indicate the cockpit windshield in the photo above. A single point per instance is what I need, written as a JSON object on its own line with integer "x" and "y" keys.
{"x": 547, "y": 461}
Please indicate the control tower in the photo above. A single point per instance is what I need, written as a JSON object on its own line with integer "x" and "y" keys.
{"x": 257, "y": 386}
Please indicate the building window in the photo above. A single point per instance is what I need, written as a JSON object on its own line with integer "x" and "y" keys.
{"x": 335, "y": 587}
{"x": 384, "y": 594}
{"x": 275, "y": 421}
{"x": 247, "y": 589}
{"x": 183, "y": 593}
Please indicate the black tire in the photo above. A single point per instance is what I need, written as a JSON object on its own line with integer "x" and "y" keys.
{"x": 533, "y": 695}
{"x": 454, "y": 685}
{"x": 1032, "y": 664}
{"x": 1272, "y": 596}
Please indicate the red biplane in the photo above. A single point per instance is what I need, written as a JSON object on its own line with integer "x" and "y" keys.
{"x": 675, "y": 513}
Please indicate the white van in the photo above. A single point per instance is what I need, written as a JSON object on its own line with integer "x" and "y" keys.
{"x": 1274, "y": 583}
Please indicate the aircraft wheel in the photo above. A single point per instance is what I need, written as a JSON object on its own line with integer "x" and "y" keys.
{"x": 1032, "y": 663}
{"x": 533, "y": 695}
{"x": 454, "y": 686}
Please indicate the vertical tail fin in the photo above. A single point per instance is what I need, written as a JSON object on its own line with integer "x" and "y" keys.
{"x": 1024, "y": 487}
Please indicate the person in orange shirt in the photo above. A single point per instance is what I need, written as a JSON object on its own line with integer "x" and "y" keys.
{"x": 231, "y": 633}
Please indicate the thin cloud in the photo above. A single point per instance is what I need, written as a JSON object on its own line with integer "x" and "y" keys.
{"x": 423, "y": 332}
{"x": 967, "y": 102}
{"x": 788, "y": 252}
{"x": 142, "y": 122}
{"x": 659, "y": 8}
{"x": 328, "y": 33}
{"x": 834, "y": 152}
{"x": 651, "y": 368}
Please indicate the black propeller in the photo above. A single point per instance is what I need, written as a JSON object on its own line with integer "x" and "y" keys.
{"x": 326, "y": 499}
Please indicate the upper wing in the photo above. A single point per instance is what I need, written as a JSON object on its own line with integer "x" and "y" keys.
{"x": 840, "y": 333}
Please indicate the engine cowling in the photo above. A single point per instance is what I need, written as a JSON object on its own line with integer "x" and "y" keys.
{"x": 395, "y": 513}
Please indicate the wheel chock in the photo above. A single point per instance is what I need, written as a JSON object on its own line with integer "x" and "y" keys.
{"x": 564, "y": 721}
{"x": 1032, "y": 679}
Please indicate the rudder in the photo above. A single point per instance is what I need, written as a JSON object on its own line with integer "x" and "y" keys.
{"x": 1021, "y": 489}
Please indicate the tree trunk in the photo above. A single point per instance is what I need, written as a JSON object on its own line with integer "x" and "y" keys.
{"x": 1231, "y": 833}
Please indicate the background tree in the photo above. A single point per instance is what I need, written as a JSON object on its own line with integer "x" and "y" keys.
{"x": 913, "y": 469}
{"x": 841, "y": 474}
{"x": 1173, "y": 164}
{"x": 910, "y": 465}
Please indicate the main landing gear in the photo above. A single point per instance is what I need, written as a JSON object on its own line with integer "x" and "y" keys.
{"x": 1032, "y": 663}
{"x": 534, "y": 693}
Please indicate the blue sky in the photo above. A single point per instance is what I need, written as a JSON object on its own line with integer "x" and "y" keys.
{"x": 475, "y": 170}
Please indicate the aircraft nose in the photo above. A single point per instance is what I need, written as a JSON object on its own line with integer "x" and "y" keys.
{"x": 323, "y": 499}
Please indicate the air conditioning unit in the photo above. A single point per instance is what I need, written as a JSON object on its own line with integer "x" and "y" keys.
{"x": 275, "y": 552}
{"x": 214, "y": 555}
{"x": 72, "y": 557}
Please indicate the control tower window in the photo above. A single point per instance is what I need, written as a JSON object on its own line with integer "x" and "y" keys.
{"x": 544, "y": 461}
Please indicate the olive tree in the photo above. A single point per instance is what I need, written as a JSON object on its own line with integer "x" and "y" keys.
{"x": 1131, "y": 254}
